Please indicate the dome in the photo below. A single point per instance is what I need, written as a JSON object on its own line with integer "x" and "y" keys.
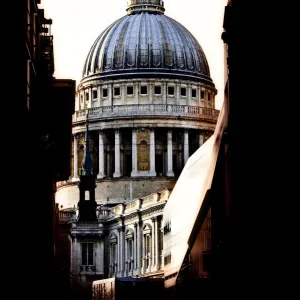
{"x": 146, "y": 42}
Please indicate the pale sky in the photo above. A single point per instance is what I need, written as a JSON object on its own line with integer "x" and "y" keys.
{"x": 77, "y": 24}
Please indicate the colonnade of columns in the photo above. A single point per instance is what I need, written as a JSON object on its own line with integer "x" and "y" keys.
{"x": 143, "y": 257}
{"x": 117, "y": 154}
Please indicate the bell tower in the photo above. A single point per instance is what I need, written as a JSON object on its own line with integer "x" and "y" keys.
{"x": 87, "y": 204}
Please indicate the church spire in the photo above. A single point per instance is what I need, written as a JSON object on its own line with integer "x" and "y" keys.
{"x": 87, "y": 204}
{"x": 138, "y": 6}
{"x": 87, "y": 165}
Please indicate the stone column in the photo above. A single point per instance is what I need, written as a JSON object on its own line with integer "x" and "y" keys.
{"x": 122, "y": 91}
{"x": 75, "y": 158}
{"x": 99, "y": 96}
{"x": 90, "y": 98}
{"x": 164, "y": 92}
{"x": 117, "y": 172}
{"x": 160, "y": 242}
{"x": 110, "y": 94}
{"x": 73, "y": 255}
{"x": 152, "y": 153}
{"x": 137, "y": 93}
{"x": 188, "y": 94}
{"x": 200, "y": 140}
{"x": 177, "y": 93}
{"x": 151, "y": 92}
{"x": 135, "y": 245}
{"x": 170, "y": 172}
{"x": 134, "y": 154}
{"x": 139, "y": 247}
{"x": 186, "y": 146}
{"x": 153, "y": 246}
{"x": 101, "y": 173}
{"x": 121, "y": 250}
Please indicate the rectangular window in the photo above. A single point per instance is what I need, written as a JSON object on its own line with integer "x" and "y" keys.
{"x": 194, "y": 93}
{"x": 202, "y": 94}
{"x": 130, "y": 90}
{"x": 104, "y": 93}
{"x": 86, "y": 96}
{"x": 171, "y": 90}
{"x": 87, "y": 254}
{"x": 117, "y": 91}
{"x": 208, "y": 97}
{"x": 95, "y": 94}
{"x": 183, "y": 91}
{"x": 143, "y": 90}
{"x": 157, "y": 90}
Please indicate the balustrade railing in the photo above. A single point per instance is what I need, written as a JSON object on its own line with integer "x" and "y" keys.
{"x": 146, "y": 109}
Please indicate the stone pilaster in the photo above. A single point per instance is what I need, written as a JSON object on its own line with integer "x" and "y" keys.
{"x": 101, "y": 173}
{"x": 134, "y": 154}
{"x": 99, "y": 96}
{"x": 170, "y": 172}
{"x": 186, "y": 146}
{"x": 117, "y": 172}
{"x": 152, "y": 153}
{"x": 135, "y": 245}
{"x": 90, "y": 98}
{"x": 121, "y": 252}
{"x": 154, "y": 244}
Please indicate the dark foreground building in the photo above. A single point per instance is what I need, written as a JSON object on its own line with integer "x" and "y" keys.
{"x": 42, "y": 109}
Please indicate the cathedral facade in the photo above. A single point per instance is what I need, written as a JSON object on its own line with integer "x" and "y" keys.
{"x": 149, "y": 102}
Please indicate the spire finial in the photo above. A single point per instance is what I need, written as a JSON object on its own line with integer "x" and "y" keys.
{"x": 151, "y": 6}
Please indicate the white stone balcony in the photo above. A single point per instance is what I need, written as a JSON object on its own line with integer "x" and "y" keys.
{"x": 127, "y": 111}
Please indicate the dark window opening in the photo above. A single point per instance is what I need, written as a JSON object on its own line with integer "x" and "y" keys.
{"x": 202, "y": 94}
{"x": 170, "y": 90}
{"x": 208, "y": 97}
{"x": 144, "y": 90}
{"x": 130, "y": 90}
{"x": 117, "y": 91}
{"x": 87, "y": 254}
{"x": 194, "y": 93}
{"x": 183, "y": 91}
{"x": 95, "y": 94}
{"x": 87, "y": 96}
{"x": 157, "y": 90}
{"x": 104, "y": 92}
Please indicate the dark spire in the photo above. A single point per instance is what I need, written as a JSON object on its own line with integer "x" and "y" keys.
{"x": 87, "y": 165}
{"x": 87, "y": 204}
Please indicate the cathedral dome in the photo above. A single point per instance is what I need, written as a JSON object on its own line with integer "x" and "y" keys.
{"x": 146, "y": 42}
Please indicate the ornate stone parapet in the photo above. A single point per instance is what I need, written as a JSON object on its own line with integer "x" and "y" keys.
{"x": 121, "y": 111}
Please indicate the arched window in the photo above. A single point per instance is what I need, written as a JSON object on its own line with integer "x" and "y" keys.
{"x": 147, "y": 237}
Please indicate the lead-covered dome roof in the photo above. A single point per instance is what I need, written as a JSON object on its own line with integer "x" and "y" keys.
{"x": 145, "y": 42}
